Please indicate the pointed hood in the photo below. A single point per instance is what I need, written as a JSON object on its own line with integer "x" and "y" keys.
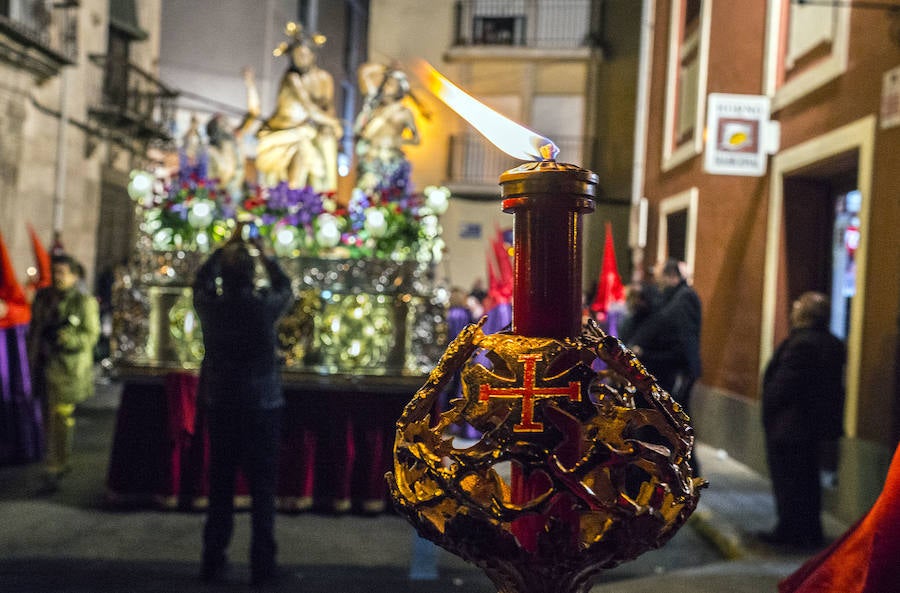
{"x": 500, "y": 271}
{"x": 493, "y": 279}
{"x": 504, "y": 265}
{"x": 609, "y": 286}
{"x": 42, "y": 260}
{"x": 17, "y": 310}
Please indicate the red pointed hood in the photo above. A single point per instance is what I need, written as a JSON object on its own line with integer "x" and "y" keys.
{"x": 609, "y": 286}
{"x": 17, "y": 310}
{"x": 42, "y": 260}
{"x": 504, "y": 263}
{"x": 493, "y": 278}
{"x": 500, "y": 271}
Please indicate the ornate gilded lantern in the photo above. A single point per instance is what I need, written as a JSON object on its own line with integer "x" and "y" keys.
{"x": 576, "y": 469}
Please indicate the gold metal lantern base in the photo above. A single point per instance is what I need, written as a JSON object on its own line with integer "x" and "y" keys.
{"x": 601, "y": 457}
{"x": 583, "y": 460}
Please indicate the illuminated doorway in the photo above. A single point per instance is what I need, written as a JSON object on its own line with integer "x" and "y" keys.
{"x": 821, "y": 222}
{"x": 845, "y": 243}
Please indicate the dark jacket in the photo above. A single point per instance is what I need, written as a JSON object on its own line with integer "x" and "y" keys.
{"x": 240, "y": 332}
{"x": 670, "y": 337}
{"x": 803, "y": 388}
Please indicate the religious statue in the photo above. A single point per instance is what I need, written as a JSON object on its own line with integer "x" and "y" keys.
{"x": 226, "y": 162}
{"x": 192, "y": 155}
{"x": 384, "y": 125}
{"x": 298, "y": 142}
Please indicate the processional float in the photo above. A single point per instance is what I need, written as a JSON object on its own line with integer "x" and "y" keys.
{"x": 363, "y": 265}
{"x": 576, "y": 469}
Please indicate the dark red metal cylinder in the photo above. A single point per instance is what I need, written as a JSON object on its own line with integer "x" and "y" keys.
{"x": 548, "y": 200}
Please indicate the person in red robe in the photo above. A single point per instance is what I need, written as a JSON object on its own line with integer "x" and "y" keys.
{"x": 866, "y": 559}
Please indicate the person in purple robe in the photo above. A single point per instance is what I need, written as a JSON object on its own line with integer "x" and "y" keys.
{"x": 21, "y": 420}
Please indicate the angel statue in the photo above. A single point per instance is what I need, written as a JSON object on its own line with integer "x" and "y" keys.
{"x": 384, "y": 125}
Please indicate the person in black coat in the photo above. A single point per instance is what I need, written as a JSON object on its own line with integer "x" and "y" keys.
{"x": 641, "y": 302}
{"x": 802, "y": 408}
{"x": 667, "y": 341}
{"x": 240, "y": 381}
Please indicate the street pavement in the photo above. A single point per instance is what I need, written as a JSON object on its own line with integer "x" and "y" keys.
{"x": 72, "y": 542}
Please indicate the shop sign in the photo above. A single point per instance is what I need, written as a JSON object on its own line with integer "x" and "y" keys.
{"x": 737, "y": 127}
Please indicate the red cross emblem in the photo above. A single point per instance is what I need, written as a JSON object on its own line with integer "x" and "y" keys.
{"x": 529, "y": 392}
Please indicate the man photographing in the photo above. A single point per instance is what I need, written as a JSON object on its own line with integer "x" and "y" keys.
{"x": 240, "y": 382}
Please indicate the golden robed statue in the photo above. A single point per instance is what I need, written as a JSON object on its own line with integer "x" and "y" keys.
{"x": 298, "y": 142}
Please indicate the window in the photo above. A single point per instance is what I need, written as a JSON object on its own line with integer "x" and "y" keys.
{"x": 33, "y": 14}
{"x": 546, "y": 24}
{"x": 115, "y": 85}
{"x": 677, "y": 232}
{"x": 806, "y": 47}
{"x": 499, "y": 30}
{"x": 686, "y": 81}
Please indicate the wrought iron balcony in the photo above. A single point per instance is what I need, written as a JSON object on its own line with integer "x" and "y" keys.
{"x": 36, "y": 38}
{"x": 525, "y": 24}
{"x": 475, "y": 164}
{"x": 132, "y": 101}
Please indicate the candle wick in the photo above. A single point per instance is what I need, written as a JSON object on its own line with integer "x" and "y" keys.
{"x": 548, "y": 151}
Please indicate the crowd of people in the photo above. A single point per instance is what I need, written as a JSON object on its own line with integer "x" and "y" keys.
{"x": 49, "y": 334}
{"x": 804, "y": 378}
{"x": 661, "y": 325}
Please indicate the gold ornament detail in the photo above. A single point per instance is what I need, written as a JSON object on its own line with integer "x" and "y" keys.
{"x": 184, "y": 327}
{"x": 295, "y": 332}
{"x": 576, "y": 470}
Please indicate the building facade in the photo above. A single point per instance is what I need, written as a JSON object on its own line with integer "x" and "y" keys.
{"x": 821, "y": 215}
{"x": 81, "y": 105}
{"x": 531, "y": 61}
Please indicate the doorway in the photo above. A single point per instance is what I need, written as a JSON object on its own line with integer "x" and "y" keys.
{"x": 821, "y": 228}
{"x": 843, "y": 159}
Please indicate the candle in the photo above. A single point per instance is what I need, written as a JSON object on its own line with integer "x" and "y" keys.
{"x": 548, "y": 200}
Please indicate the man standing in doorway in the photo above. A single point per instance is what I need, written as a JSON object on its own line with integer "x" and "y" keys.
{"x": 803, "y": 403}
{"x": 65, "y": 326}
{"x": 240, "y": 381}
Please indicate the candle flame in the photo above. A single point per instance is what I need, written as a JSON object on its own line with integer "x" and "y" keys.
{"x": 515, "y": 140}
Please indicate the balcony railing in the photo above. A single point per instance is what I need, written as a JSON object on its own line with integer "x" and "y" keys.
{"x": 133, "y": 101}
{"x": 475, "y": 162}
{"x": 538, "y": 24}
{"x": 37, "y": 38}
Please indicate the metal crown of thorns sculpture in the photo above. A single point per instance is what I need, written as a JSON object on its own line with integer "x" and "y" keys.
{"x": 597, "y": 460}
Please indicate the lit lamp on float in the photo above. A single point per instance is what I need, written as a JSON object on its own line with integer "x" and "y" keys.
{"x": 576, "y": 471}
